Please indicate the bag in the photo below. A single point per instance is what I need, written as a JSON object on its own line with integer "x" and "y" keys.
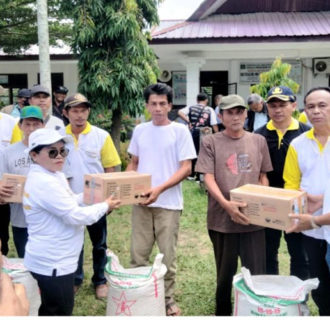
{"x": 271, "y": 295}
{"x": 19, "y": 274}
{"x": 136, "y": 291}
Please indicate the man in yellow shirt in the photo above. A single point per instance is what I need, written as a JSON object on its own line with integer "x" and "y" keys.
{"x": 92, "y": 151}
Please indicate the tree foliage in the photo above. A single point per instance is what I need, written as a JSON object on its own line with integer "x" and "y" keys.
{"x": 18, "y": 24}
{"x": 278, "y": 75}
{"x": 115, "y": 60}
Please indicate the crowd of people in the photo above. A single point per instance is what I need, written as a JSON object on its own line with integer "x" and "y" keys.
{"x": 257, "y": 141}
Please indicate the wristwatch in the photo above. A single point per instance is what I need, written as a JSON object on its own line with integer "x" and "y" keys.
{"x": 314, "y": 224}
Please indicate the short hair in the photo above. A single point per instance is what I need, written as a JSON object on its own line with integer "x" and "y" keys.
{"x": 202, "y": 96}
{"x": 315, "y": 89}
{"x": 158, "y": 89}
{"x": 254, "y": 98}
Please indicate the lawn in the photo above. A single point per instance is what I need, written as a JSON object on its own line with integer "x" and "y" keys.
{"x": 196, "y": 270}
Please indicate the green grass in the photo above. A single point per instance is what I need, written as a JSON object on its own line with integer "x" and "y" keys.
{"x": 196, "y": 268}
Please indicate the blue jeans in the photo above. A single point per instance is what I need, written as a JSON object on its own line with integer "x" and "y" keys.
{"x": 98, "y": 235}
{"x": 327, "y": 257}
{"x": 20, "y": 236}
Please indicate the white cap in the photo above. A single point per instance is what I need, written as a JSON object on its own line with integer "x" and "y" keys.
{"x": 44, "y": 136}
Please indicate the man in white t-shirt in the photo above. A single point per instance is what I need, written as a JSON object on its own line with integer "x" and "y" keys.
{"x": 15, "y": 160}
{"x": 163, "y": 149}
{"x": 7, "y": 124}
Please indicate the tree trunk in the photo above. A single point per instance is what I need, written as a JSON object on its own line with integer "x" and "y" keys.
{"x": 43, "y": 39}
{"x": 115, "y": 130}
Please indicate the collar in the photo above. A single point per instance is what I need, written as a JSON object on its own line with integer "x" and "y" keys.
{"x": 310, "y": 135}
{"x": 294, "y": 125}
{"x": 88, "y": 128}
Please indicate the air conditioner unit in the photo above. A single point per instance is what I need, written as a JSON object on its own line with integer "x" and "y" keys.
{"x": 321, "y": 65}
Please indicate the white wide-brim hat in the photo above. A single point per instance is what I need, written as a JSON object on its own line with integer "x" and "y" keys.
{"x": 44, "y": 137}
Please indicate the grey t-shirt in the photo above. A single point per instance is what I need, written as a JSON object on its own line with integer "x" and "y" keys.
{"x": 14, "y": 160}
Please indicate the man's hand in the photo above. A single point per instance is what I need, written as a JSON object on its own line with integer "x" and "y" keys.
{"x": 151, "y": 196}
{"x": 5, "y": 192}
{"x": 13, "y": 299}
{"x": 302, "y": 222}
{"x": 232, "y": 207}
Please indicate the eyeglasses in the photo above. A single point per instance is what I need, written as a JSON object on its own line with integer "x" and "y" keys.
{"x": 53, "y": 153}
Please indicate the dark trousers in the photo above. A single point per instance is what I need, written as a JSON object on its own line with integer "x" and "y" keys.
{"x": 20, "y": 236}
{"x": 250, "y": 247}
{"x": 298, "y": 255}
{"x": 98, "y": 235}
{"x": 195, "y": 136}
{"x": 318, "y": 268}
{"x": 57, "y": 297}
{"x": 4, "y": 227}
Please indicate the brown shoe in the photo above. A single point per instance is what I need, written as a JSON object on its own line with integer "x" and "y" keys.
{"x": 101, "y": 291}
{"x": 76, "y": 288}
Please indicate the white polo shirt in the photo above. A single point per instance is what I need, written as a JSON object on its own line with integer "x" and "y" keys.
{"x": 91, "y": 153}
{"x": 7, "y": 124}
{"x": 55, "y": 222}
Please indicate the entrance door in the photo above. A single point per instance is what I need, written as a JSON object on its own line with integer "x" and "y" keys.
{"x": 214, "y": 83}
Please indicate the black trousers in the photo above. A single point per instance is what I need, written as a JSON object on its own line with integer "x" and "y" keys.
{"x": 250, "y": 247}
{"x": 318, "y": 268}
{"x": 298, "y": 256}
{"x": 4, "y": 227}
{"x": 57, "y": 297}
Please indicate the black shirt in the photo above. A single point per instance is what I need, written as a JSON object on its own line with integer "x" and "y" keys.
{"x": 278, "y": 153}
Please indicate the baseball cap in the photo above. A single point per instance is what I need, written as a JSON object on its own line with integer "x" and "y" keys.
{"x": 61, "y": 89}
{"x": 39, "y": 89}
{"x": 31, "y": 112}
{"x": 282, "y": 93}
{"x": 75, "y": 100}
{"x": 232, "y": 101}
{"x": 24, "y": 93}
{"x": 44, "y": 137}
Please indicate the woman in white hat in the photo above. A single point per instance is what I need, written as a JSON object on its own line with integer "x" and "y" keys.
{"x": 55, "y": 222}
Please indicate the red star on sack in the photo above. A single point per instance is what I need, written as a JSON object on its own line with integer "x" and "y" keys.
{"x": 123, "y": 305}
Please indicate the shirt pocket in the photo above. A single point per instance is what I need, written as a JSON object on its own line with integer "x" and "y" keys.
{"x": 91, "y": 155}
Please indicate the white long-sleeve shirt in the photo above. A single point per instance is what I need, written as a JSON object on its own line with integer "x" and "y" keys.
{"x": 55, "y": 222}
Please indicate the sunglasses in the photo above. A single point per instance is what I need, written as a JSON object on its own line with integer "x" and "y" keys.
{"x": 53, "y": 153}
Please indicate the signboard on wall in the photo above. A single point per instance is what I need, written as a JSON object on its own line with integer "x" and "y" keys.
{"x": 249, "y": 71}
{"x": 179, "y": 84}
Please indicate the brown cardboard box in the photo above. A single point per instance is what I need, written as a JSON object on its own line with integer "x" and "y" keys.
{"x": 18, "y": 182}
{"x": 126, "y": 186}
{"x": 269, "y": 207}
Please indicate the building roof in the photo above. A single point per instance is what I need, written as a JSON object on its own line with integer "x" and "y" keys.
{"x": 251, "y": 25}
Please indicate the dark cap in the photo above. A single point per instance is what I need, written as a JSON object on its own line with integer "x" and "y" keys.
{"x": 61, "y": 89}
{"x": 39, "y": 89}
{"x": 232, "y": 101}
{"x": 24, "y": 93}
{"x": 76, "y": 100}
{"x": 282, "y": 93}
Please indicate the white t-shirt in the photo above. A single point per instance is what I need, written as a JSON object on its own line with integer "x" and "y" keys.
{"x": 55, "y": 222}
{"x": 14, "y": 160}
{"x": 54, "y": 123}
{"x": 7, "y": 124}
{"x": 160, "y": 150}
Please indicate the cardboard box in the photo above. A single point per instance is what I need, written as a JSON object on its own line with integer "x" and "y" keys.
{"x": 126, "y": 186}
{"x": 268, "y": 206}
{"x": 18, "y": 182}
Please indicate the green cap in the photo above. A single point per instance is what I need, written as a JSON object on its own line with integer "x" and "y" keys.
{"x": 232, "y": 101}
{"x": 31, "y": 112}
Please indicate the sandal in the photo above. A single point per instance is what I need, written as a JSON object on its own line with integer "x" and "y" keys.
{"x": 173, "y": 310}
